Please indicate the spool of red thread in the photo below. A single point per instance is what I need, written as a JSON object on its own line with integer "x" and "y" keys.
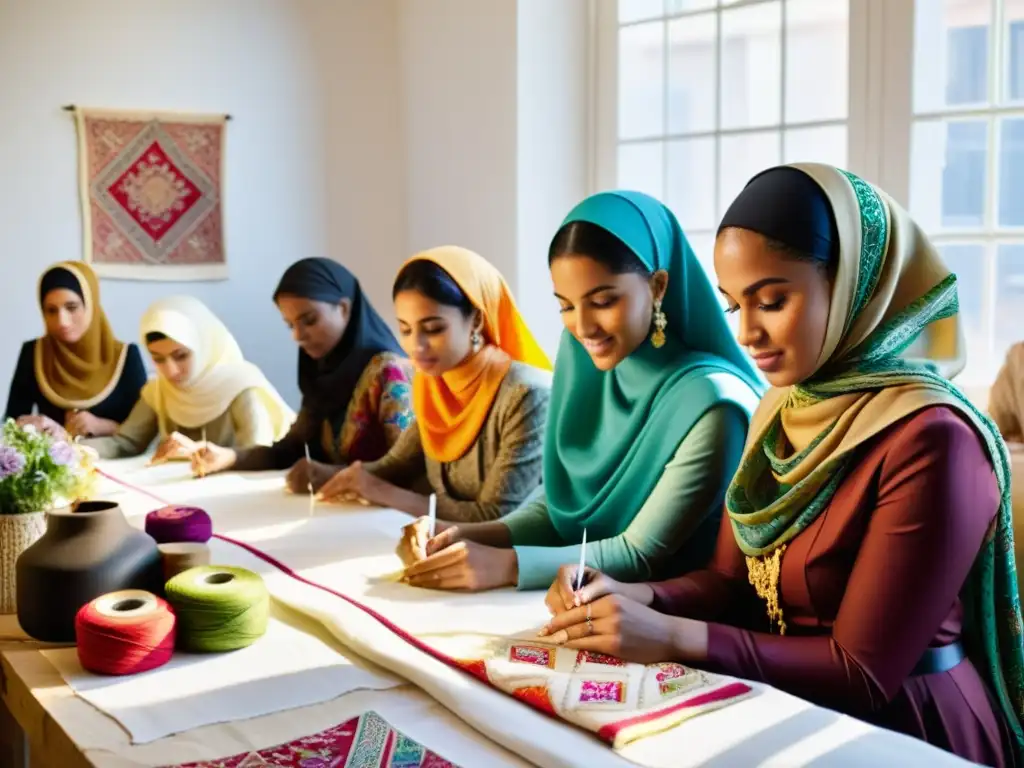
{"x": 125, "y": 632}
{"x": 173, "y": 524}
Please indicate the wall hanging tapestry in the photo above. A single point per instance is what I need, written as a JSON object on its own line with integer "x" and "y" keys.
{"x": 367, "y": 741}
{"x": 152, "y": 194}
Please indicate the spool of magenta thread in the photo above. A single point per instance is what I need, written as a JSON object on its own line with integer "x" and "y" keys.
{"x": 174, "y": 524}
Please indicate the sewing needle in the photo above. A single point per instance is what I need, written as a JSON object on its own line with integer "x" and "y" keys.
{"x": 309, "y": 479}
{"x": 583, "y": 561}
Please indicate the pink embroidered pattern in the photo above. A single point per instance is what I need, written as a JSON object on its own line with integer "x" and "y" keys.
{"x": 593, "y": 657}
{"x": 674, "y": 678}
{"x": 602, "y": 692}
{"x": 532, "y": 654}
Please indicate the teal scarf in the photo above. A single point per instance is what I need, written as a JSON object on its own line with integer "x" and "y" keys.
{"x": 610, "y": 434}
{"x": 895, "y": 292}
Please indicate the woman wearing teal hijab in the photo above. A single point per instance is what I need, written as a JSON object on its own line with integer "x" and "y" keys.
{"x": 649, "y": 410}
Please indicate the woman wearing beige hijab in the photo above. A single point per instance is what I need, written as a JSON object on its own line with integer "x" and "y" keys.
{"x": 204, "y": 389}
{"x": 1006, "y": 401}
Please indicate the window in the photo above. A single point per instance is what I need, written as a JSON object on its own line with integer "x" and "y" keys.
{"x": 692, "y": 97}
{"x": 966, "y": 182}
{"x": 710, "y": 92}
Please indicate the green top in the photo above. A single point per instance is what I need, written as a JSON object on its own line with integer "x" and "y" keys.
{"x": 673, "y": 532}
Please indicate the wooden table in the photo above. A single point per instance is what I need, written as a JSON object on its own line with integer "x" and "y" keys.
{"x": 29, "y": 735}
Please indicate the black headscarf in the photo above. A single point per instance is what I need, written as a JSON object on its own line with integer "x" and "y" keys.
{"x": 327, "y": 384}
{"x": 788, "y": 206}
{"x": 58, "y": 277}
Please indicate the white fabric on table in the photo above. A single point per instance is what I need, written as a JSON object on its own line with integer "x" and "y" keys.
{"x": 284, "y": 669}
{"x": 351, "y": 550}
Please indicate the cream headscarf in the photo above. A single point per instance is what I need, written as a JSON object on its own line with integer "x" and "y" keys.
{"x": 1006, "y": 400}
{"x": 219, "y": 372}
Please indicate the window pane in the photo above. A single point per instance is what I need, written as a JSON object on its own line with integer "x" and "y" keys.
{"x": 817, "y": 59}
{"x": 691, "y": 182}
{"x": 1009, "y": 299}
{"x": 703, "y": 244}
{"x": 951, "y": 49}
{"x": 682, "y": 6}
{"x": 948, "y": 170}
{"x": 817, "y": 145}
{"x": 1013, "y": 13}
{"x": 967, "y": 262}
{"x": 751, "y": 88}
{"x": 641, "y": 80}
{"x": 635, "y": 10}
{"x": 1011, "y": 173}
{"x": 741, "y": 157}
{"x": 692, "y": 87}
{"x": 642, "y": 167}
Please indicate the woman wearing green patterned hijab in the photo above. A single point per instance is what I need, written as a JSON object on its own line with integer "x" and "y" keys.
{"x": 866, "y": 560}
{"x": 649, "y": 411}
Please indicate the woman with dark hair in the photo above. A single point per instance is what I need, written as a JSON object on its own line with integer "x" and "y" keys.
{"x": 866, "y": 562}
{"x": 649, "y": 410}
{"x": 204, "y": 389}
{"x": 480, "y": 396}
{"x": 77, "y": 376}
{"x": 353, "y": 377}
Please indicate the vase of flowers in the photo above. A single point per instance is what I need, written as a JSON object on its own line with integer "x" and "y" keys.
{"x": 37, "y": 473}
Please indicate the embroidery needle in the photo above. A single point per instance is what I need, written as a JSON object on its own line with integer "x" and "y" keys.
{"x": 432, "y": 515}
{"x": 309, "y": 479}
{"x": 583, "y": 561}
{"x": 202, "y": 447}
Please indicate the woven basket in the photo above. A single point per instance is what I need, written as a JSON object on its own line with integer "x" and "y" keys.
{"x": 17, "y": 533}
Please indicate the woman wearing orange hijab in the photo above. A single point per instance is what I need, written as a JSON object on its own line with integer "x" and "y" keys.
{"x": 480, "y": 396}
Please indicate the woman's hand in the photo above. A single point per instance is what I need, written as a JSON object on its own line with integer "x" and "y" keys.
{"x": 46, "y": 425}
{"x": 620, "y": 627}
{"x": 415, "y": 543}
{"x": 85, "y": 424}
{"x": 463, "y": 565}
{"x": 304, "y": 474}
{"x": 174, "y": 447}
{"x": 354, "y": 483}
{"x": 562, "y": 595}
{"x": 210, "y": 458}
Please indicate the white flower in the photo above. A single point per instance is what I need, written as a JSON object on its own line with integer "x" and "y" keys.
{"x": 30, "y": 429}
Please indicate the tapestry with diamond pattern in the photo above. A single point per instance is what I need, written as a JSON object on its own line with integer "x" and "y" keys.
{"x": 152, "y": 195}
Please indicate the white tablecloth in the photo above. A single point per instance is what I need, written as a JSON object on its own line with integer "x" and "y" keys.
{"x": 349, "y": 549}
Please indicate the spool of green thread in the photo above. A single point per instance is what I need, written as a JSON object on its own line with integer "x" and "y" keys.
{"x": 219, "y": 607}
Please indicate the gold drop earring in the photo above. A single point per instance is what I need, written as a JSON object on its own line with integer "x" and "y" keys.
{"x": 660, "y": 323}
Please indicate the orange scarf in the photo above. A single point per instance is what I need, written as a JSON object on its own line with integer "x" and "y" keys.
{"x": 451, "y": 408}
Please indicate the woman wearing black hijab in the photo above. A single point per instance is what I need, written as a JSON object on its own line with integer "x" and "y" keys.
{"x": 354, "y": 378}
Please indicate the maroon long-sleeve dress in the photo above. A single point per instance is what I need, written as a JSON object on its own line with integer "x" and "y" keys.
{"x": 867, "y": 588}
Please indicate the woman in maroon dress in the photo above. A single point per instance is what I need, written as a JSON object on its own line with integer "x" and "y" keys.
{"x": 866, "y": 559}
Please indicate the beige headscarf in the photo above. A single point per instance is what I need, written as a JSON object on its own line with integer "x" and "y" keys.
{"x": 1006, "y": 400}
{"x": 219, "y": 372}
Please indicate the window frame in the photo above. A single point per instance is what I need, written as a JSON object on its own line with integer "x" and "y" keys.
{"x": 880, "y": 121}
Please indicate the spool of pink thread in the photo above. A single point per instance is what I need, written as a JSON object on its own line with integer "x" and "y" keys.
{"x": 173, "y": 524}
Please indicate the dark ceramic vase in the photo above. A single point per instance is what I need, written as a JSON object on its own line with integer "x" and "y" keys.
{"x": 86, "y": 552}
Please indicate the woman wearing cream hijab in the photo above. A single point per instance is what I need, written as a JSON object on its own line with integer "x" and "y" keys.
{"x": 866, "y": 559}
{"x": 204, "y": 389}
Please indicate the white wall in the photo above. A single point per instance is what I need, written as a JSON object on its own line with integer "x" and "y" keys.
{"x": 308, "y": 123}
{"x": 458, "y": 61}
{"x": 364, "y": 130}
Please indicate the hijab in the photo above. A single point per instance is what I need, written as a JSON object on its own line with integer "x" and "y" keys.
{"x": 890, "y": 289}
{"x": 82, "y": 374}
{"x": 611, "y": 433}
{"x": 327, "y": 384}
{"x": 1006, "y": 400}
{"x": 219, "y": 372}
{"x": 451, "y": 408}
